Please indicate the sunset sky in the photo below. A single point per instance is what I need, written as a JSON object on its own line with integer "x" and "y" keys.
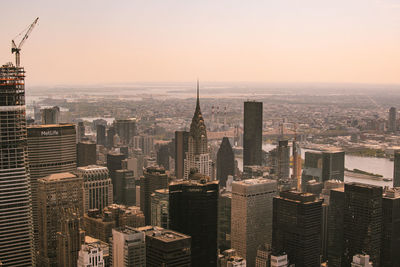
{"x": 288, "y": 41}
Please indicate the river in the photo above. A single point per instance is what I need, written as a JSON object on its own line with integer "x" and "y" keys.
{"x": 380, "y": 166}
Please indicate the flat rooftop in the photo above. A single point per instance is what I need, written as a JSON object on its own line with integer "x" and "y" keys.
{"x": 59, "y": 176}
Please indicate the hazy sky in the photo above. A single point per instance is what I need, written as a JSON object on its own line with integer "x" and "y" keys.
{"x": 99, "y": 41}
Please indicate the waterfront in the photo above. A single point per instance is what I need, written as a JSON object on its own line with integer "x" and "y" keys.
{"x": 380, "y": 166}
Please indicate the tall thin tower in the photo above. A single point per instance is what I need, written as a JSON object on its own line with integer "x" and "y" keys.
{"x": 16, "y": 232}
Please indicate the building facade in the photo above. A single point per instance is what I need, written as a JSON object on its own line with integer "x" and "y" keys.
{"x": 193, "y": 210}
{"x": 252, "y": 138}
{"x": 50, "y": 115}
{"x": 98, "y": 188}
{"x": 56, "y": 193}
{"x": 128, "y": 247}
{"x": 225, "y": 161}
{"x": 15, "y": 192}
{"x": 181, "y": 148}
{"x": 159, "y": 208}
{"x": 86, "y": 154}
{"x": 251, "y": 222}
{"x": 392, "y": 122}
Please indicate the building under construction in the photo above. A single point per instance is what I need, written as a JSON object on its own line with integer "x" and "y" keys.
{"x": 16, "y": 233}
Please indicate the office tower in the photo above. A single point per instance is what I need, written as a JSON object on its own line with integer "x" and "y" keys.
{"x": 323, "y": 166}
{"x": 80, "y": 132}
{"x": 297, "y": 163}
{"x": 313, "y": 187}
{"x": 126, "y": 129}
{"x": 114, "y": 163}
{"x": 193, "y": 210}
{"x": 229, "y": 258}
{"x": 166, "y": 247}
{"x": 164, "y": 154}
{"x": 93, "y": 253}
{"x": 128, "y": 247}
{"x": 181, "y": 147}
{"x": 251, "y": 223}
{"x": 297, "y": 228}
{"x": 125, "y": 215}
{"x": 396, "y": 170}
{"x": 145, "y": 143}
{"x": 392, "y": 125}
{"x": 225, "y": 161}
{"x": 154, "y": 178}
{"x": 86, "y": 154}
{"x": 335, "y": 242}
{"x": 37, "y": 116}
{"x": 110, "y": 137}
{"x": 391, "y": 228}
{"x": 362, "y": 260}
{"x": 333, "y": 165}
{"x": 197, "y": 158}
{"x": 52, "y": 149}
{"x": 101, "y": 135}
{"x": 224, "y": 219}
{"x": 159, "y": 208}
{"x": 263, "y": 255}
{"x": 50, "y": 115}
{"x": 98, "y": 188}
{"x": 362, "y": 221}
{"x": 252, "y": 138}
{"x": 69, "y": 238}
{"x": 125, "y": 191}
{"x": 56, "y": 193}
{"x": 15, "y": 196}
{"x": 283, "y": 159}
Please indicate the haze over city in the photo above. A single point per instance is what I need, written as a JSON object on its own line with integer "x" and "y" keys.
{"x": 311, "y": 41}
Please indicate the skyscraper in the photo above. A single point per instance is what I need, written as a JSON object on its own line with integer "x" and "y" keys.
{"x": 56, "y": 193}
{"x": 224, "y": 219}
{"x": 252, "y": 216}
{"x": 69, "y": 238}
{"x": 160, "y": 208}
{"x": 80, "y": 132}
{"x": 197, "y": 158}
{"x": 86, "y": 154}
{"x": 193, "y": 210}
{"x": 297, "y": 228}
{"x": 126, "y": 129}
{"x": 114, "y": 163}
{"x": 392, "y": 125}
{"x": 335, "y": 242}
{"x": 98, "y": 191}
{"x": 391, "y": 228}
{"x": 101, "y": 135}
{"x": 125, "y": 187}
{"x": 50, "y": 115}
{"x": 128, "y": 247}
{"x": 362, "y": 222}
{"x": 283, "y": 159}
{"x": 181, "y": 147}
{"x": 225, "y": 161}
{"x": 52, "y": 149}
{"x": 15, "y": 194}
{"x": 252, "y": 138}
{"x": 166, "y": 247}
{"x": 110, "y": 137}
{"x": 154, "y": 178}
{"x": 396, "y": 170}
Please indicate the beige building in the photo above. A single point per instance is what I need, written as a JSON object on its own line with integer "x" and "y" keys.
{"x": 128, "y": 247}
{"x": 251, "y": 223}
{"x": 56, "y": 193}
{"x": 98, "y": 188}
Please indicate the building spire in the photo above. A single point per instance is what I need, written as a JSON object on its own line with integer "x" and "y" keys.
{"x": 198, "y": 98}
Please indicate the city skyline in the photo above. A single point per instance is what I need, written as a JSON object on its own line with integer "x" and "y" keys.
{"x": 99, "y": 42}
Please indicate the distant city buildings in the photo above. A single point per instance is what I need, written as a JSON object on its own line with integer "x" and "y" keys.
{"x": 252, "y": 139}
{"x": 392, "y": 121}
{"x": 181, "y": 148}
{"x": 396, "y": 170}
{"x": 126, "y": 129}
{"x": 50, "y": 115}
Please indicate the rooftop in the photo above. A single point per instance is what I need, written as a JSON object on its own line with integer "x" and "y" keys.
{"x": 59, "y": 176}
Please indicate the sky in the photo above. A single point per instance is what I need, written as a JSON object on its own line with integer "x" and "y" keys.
{"x": 272, "y": 41}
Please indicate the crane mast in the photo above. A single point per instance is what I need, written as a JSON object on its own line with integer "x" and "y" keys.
{"x": 16, "y": 49}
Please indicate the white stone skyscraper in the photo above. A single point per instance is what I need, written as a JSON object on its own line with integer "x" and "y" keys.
{"x": 16, "y": 232}
{"x": 197, "y": 157}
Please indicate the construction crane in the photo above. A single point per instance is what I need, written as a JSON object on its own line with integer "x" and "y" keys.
{"x": 17, "y": 49}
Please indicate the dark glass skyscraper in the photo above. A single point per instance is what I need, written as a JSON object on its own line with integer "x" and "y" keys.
{"x": 225, "y": 161}
{"x": 392, "y": 125}
{"x": 101, "y": 135}
{"x": 16, "y": 232}
{"x": 335, "y": 228}
{"x": 362, "y": 222}
{"x": 396, "y": 170}
{"x": 193, "y": 210}
{"x": 252, "y": 138}
{"x": 296, "y": 228}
